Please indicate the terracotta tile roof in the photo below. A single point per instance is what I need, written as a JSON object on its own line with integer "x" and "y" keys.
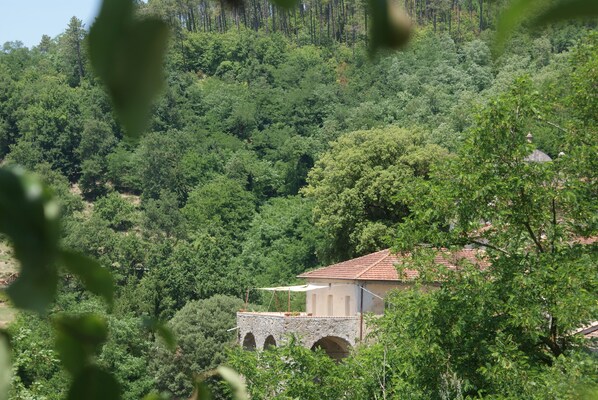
{"x": 590, "y": 331}
{"x": 586, "y": 240}
{"x": 350, "y": 269}
{"x": 593, "y": 334}
{"x": 381, "y": 266}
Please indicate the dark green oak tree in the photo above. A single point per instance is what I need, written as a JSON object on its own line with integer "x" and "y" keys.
{"x": 357, "y": 188}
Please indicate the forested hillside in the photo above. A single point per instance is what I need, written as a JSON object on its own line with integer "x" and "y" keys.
{"x": 277, "y": 146}
{"x": 321, "y": 22}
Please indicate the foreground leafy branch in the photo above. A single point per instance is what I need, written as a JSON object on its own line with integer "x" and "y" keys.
{"x": 127, "y": 54}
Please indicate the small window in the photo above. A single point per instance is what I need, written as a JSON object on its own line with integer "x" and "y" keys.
{"x": 347, "y": 305}
{"x": 330, "y": 310}
{"x": 313, "y": 304}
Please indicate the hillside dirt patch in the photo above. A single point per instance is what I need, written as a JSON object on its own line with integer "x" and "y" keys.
{"x": 8, "y": 267}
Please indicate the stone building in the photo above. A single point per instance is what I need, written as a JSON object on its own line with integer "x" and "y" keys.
{"x": 536, "y": 156}
{"x": 337, "y": 298}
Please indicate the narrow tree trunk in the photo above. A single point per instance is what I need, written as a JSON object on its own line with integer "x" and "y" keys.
{"x": 481, "y": 15}
{"x": 79, "y": 61}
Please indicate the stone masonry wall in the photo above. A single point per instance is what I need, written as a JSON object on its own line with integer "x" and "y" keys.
{"x": 306, "y": 329}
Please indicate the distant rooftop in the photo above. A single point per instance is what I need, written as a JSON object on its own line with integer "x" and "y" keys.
{"x": 381, "y": 266}
{"x": 536, "y": 155}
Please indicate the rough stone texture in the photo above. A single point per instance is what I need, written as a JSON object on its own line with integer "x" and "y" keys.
{"x": 538, "y": 156}
{"x": 307, "y": 329}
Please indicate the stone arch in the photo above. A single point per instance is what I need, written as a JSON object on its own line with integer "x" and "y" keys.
{"x": 336, "y": 347}
{"x": 249, "y": 342}
{"x": 270, "y": 342}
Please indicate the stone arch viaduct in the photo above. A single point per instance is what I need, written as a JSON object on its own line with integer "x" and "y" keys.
{"x": 335, "y": 335}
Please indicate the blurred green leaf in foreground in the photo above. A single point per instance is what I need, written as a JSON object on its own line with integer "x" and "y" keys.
{"x": 127, "y": 54}
{"x": 540, "y": 13}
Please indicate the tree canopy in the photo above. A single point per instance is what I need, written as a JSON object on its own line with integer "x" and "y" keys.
{"x": 280, "y": 143}
{"x": 358, "y": 188}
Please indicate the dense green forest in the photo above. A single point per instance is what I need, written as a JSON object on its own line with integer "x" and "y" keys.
{"x": 280, "y": 144}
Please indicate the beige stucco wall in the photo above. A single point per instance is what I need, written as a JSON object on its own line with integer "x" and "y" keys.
{"x": 344, "y": 295}
{"x": 373, "y": 304}
{"x": 340, "y": 290}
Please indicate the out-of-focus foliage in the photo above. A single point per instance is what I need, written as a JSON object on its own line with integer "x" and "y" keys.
{"x": 210, "y": 200}
{"x": 29, "y": 218}
{"x": 127, "y": 54}
{"x": 540, "y": 13}
{"x": 126, "y": 354}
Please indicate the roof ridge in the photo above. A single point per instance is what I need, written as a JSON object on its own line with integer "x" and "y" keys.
{"x": 345, "y": 261}
{"x": 374, "y": 264}
{"x": 360, "y": 257}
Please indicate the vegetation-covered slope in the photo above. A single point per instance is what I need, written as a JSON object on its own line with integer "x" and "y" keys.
{"x": 234, "y": 184}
